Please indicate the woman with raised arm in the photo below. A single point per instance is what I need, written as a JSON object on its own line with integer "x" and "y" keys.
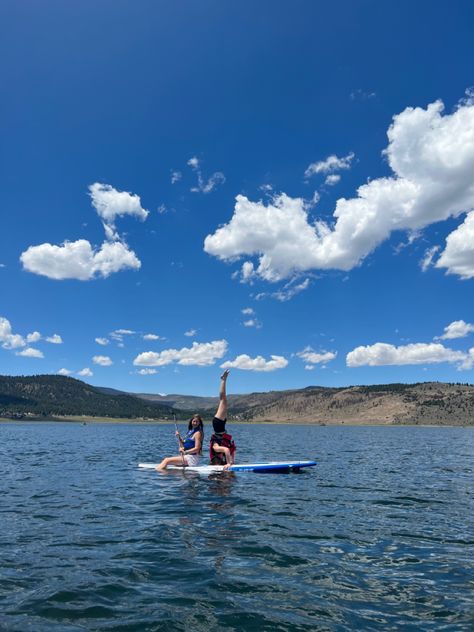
{"x": 190, "y": 448}
{"x": 222, "y": 447}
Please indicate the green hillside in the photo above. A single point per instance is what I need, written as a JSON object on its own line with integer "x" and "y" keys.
{"x": 51, "y": 395}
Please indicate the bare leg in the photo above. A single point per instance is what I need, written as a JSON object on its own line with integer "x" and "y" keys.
{"x": 171, "y": 460}
{"x": 222, "y": 408}
{"x": 222, "y": 450}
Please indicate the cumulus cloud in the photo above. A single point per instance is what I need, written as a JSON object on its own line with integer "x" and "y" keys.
{"x": 176, "y": 176}
{"x": 55, "y": 339}
{"x": 190, "y": 333}
{"x": 457, "y": 329}
{"x": 29, "y": 352}
{"x": 200, "y": 354}
{"x": 85, "y": 372}
{"x": 33, "y": 337}
{"x": 246, "y": 363}
{"x": 248, "y": 311}
{"x": 151, "y": 337}
{"x": 312, "y": 357}
{"x": 110, "y": 204}
{"x": 147, "y": 372}
{"x": 102, "y": 360}
{"x": 64, "y": 372}
{"x": 8, "y": 339}
{"x": 330, "y": 165}
{"x": 102, "y": 341}
{"x": 458, "y": 255}
{"x": 383, "y": 354}
{"x": 431, "y": 156}
{"x": 79, "y": 260}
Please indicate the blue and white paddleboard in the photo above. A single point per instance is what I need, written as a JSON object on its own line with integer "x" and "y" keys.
{"x": 275, "y": 466}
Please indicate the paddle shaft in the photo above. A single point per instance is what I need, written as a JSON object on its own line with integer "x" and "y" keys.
{"x": 179, "y": 443}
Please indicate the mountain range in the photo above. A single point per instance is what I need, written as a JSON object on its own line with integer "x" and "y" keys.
{"x": 437, "y": 403}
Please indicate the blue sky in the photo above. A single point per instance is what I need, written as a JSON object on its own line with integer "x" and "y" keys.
{"x": 285, "y": 189}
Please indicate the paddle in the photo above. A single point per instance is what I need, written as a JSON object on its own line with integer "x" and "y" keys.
{"x": 177, "y": 438}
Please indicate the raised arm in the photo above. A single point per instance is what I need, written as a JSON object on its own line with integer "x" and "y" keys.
{"x": 222, "y": 408}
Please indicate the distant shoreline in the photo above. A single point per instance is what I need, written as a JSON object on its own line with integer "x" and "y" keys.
{"x": 82, "y": 420}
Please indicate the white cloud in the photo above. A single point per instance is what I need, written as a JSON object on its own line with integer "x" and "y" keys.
{"x": 468, "y": 362}
{"x": 246, "y": 363}
{"x": 330, "y": 165}
{"x": 64, "y": 372}
{"x": 252, "y": 322}
{"x": 147, "y": 372}
{"x": 151, "y": 337}
{"x": 193, "y": 162}
{"x": 86, "y": 372}
{"x": 78, "y": 260}
{"x": 8, "y": 339}
{"x": 200, "y": 354}
{"x": 55, "y": 339}
{"x": 332, "y": 179}
{"x": 309, "y": 367}
{"x": 247, "y": 311}
{"x": 176, "y": 176}
{"x": 102, "y": 341}
{"x": 382, "y": 354}
{"x": 458, "y": 256}
{"x": 432, "y": 159}
{"x": 427, "y": 260}
{"x": 203, "y": 186}
{"x": 29, "y": 352}
{"x": 33, "y": 337}
{"x": 206, "y": 187}
{"x": 110, "y": 204}
{"x": 190, "y": 333}
{"x": 290, "y": 290}
{"x": 311, "y": 357}
{"x": 457, "y": 329}
{"x": 118, "y": 335}
{"x": 102, "y": 360}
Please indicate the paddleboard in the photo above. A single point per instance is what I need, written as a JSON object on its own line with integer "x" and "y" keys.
{"x": 275, "y": 466}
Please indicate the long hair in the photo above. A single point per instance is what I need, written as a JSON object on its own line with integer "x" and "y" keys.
{"x": 199, "y": 427}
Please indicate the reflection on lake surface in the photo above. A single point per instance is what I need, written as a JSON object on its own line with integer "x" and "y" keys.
{"x": 378, "y": 536}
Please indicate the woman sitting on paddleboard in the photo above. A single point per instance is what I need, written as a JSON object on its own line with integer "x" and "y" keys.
{"x": 222, "y": 448}
{"x": 190, "y": 448}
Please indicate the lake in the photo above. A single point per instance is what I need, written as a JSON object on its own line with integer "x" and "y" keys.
{"x": 378, "y": 536}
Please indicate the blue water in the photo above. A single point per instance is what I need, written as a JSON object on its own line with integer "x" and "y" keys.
{"x": 379, "y": 536}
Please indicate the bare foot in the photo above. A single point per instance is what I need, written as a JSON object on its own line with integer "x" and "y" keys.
{"x": 225, "y": 375}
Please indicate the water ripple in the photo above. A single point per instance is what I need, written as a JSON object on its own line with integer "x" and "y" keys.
{"x": 378, "y": 536}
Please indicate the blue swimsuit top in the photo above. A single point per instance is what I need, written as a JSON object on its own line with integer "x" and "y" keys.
{"x": 189, "y": 442}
